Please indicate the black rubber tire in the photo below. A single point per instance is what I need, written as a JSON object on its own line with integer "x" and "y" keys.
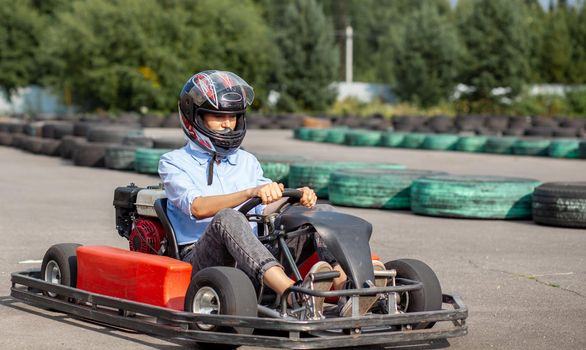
{"x": 50, "y": 147}
{"x": 120, "y": 157}
{"x": 5, "y": 138}
{"x": 111, "y": 134}
{"x": 429, "y": 298}
{"x": 138, "y": 141}
{"x": 151, "y": 121}
{"x": 539, "y": 131}
{"x": 374, "y": 188}
{"x": 566, "y": 132}
{"x": 473, "y": 197}
{"x": 171, "y": 121}
{"x": 90, "y": 154}
{"x": 582, "y": 150}
{"x": 62, "y": 130}
{"x": 560, "y": 204}
{"x": 65, "y": 257}
{"x": 169, "y": 142}
{"x": 68, "y": 144}
{"x": 236, "y": 297}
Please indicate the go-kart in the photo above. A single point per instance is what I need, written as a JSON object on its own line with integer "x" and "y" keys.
{"x": 148, "y": 289}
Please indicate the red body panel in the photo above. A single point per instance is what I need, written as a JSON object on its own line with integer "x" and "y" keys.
{"x": 146, "y": 278}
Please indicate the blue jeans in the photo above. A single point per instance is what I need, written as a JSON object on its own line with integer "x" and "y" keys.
{"x": 229, "y": 241}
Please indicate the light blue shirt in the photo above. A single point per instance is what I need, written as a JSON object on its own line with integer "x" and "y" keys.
{"x": 184, "y": 175}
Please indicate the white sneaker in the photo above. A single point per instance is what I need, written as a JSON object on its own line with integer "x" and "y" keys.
{"x": 366, "y": 302}
{"x": 315, "y": 305}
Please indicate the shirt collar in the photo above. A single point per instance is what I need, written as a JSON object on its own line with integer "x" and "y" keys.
{"x": 203, "y": 157}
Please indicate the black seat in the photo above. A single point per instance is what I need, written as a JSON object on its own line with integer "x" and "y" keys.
{"x": 172, "y": 247}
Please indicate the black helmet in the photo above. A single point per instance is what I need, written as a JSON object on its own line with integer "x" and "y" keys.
{"x": 217, "y": 92}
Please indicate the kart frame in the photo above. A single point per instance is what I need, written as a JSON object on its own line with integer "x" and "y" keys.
{"x": 280, "y": 332}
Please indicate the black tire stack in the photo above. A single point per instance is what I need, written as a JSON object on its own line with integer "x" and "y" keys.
{"x": 560, "y": 204}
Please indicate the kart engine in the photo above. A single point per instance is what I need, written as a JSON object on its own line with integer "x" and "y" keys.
{"x": 136, "y": 219}
{"x": 146, "y": 236}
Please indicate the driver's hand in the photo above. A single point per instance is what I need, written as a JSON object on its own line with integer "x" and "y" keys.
{"x": 269, "y": 193}
{"x": 309, "y": 198}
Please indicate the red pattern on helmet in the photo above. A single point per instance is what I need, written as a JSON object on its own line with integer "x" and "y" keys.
{"x": 193, "y": 133}
{"x": 206, "y": 85}
{"x": 227, "y": 80}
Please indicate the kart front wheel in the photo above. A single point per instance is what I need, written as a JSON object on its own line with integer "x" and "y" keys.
{"x": 60, "y": 266}
{"x": 221, "y": 290}
{"x": 429, "y": 298}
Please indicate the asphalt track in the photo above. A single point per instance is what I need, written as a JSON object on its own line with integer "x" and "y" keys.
{"x": 524, "y": 284}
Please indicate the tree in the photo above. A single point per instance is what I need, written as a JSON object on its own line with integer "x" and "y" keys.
{"x": 108, "y": 56}
{"x": 577, "y": 67}
{"x": 20, "y": 28}
{"x": 428, "y": 57}
{"x": 308, "y": 59}
{"x": 495, "y": 35}
{"x": 556, "y": 56}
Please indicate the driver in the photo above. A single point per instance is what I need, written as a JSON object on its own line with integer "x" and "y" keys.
{"x": 207, "y": 180}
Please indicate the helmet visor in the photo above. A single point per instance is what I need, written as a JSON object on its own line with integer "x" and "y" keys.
{"x": 225, "y": 91}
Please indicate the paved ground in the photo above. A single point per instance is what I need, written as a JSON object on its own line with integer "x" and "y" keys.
{"x": 525, "y": 285}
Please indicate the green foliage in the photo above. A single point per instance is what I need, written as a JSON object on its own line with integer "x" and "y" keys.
{"x": 20, "y": 29}
{"x": 427, "y": 58}
{"x": 495, "y": 34}
{"x": 308, "y": 60}
{"x": 108, "y": 56}
{"x": 577, "y": 102}
{"x": 557, "y": 48}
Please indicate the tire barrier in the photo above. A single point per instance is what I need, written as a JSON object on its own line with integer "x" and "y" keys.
{"x": 392, "y": 139}
{"x": 5, "y": 138}
{"x": 146, "y": 160}
{"x": 120, "y": 157}
{"x": 413, "y": 140}
{"x": 582, "y": 150}
{"x": 374, "y": 188}
{"x": 316, "y": 175}
{"x": 318, "y": 135}
{"x": 302, "y": 134}
{"x": 169, "y": 142}
{"x": 471, "y": 143}
{"x": 336, "y": 135}
{"x": 90, "y": 154}
{"x": 362, "y": 138}
{"x": 478, "y": 197}
{"x": 111, "y": 134}
{"x": 68, "y": 144}
{"x": 50, "y": 147}
{"x": 440, "y": 142}
{"x": 151, "y": 121}
{"x": 560, "y": 204}
{"x": 138, "y": 141}
{"x": 276, "y": 167}
{"x": 500, "y": 145}
{"x": 564, "y": 148}
{"x": 531, "y": 147}
{"x": 32, "y": 144}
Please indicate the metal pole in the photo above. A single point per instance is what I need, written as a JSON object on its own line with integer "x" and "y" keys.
{"x": 349, "y": 49}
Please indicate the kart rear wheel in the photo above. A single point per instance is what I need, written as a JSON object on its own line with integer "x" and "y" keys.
{"x": 60, "y": 266}
{"x": 221, "y": 290}
{"x": 427, "y": 299}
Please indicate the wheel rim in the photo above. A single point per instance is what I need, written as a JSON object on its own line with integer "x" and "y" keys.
{"x": 206, "y": 301}
{"x": 403, "y": 303}
{"x": 52, "y": 275}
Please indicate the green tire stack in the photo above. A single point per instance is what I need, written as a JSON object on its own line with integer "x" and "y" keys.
{"x": 500, "y": 145}
{"x": 146, "y": 160}
{"x": 362, "y": 138}
{"x": 120, "y": 157}
{"x": 440, "y": 142}
{"x": 531, "y": 147}
{"x": 392, "y": 139}
{"x": 336, "y": 135}
{"x": 302, "y": 134}
{"x": 316, "y": 175}
{"x": 564, "y": 148}
{"x": 477, "y": 197}
{"x": 582, "y": 149}
{"x": 318, "y": 135}
{"x": 276, "y": 167}
{"x": 374, "y": 188}
{"x": 471, "y": 143}
{"x": 413, "y": 140}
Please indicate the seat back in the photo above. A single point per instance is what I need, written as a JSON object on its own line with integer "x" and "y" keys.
{"x": 172, "y": 247}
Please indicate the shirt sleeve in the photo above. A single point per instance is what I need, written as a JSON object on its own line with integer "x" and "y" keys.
{"x": 179, "y": 187}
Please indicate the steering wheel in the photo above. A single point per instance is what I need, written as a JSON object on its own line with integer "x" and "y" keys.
{"x": 293, "y": 194}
